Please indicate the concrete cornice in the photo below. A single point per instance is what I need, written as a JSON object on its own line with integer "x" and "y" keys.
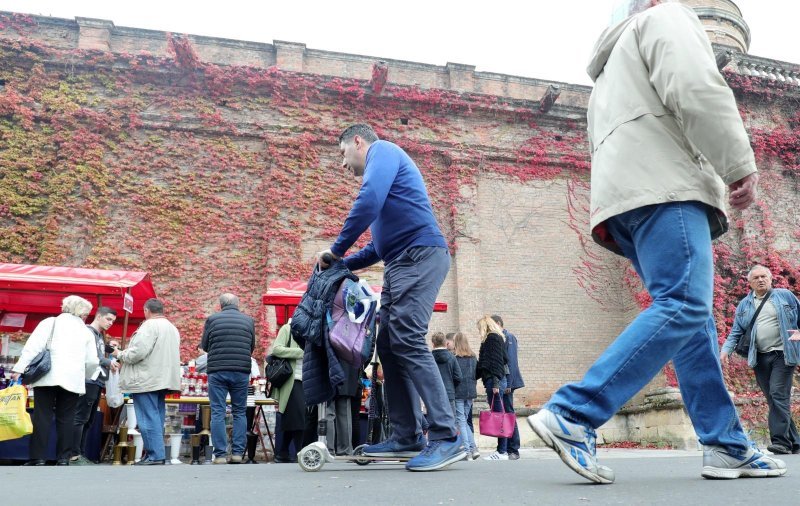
{"x": 738, "y": 21}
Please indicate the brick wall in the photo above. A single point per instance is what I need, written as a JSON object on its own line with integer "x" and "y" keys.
{"x": 518, "y": 253}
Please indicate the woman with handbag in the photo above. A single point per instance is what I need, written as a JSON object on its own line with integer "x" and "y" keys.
{"x": 289, "y": 394}
{"x": 492, "y": 368}
{"x": 69, "y": 347}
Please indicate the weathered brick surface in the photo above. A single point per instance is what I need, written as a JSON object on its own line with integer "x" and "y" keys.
{"x": 517, "y": 253}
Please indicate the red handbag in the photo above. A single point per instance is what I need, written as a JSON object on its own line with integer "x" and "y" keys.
{"x": 496, "y": 423}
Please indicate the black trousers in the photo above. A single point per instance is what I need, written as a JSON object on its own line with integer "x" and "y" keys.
{"x": 46, "y": 402}
{"x": 774, "y": 378}
{"x": 84, "y": 416}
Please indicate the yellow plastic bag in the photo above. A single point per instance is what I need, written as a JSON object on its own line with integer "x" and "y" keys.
{"x": 15, "y": 422}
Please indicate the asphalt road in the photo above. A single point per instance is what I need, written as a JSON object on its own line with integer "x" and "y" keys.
{"x": 647, "y": 477}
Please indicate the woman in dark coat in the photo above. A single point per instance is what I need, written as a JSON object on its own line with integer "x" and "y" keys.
{"x": 493, "y": 368}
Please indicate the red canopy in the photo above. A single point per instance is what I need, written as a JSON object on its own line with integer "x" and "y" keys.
{"x": 31, "y": 293}
{"x": 285, "y": 296}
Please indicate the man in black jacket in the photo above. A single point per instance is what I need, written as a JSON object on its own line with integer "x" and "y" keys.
{"x": 229, "y": 338}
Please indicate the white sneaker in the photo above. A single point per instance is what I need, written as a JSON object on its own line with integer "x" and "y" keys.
{"x": 476, "y": 454}
{"x": 496, "y": 456}
{"x": 718, "y": 463}
{"x": 574, "y": 444}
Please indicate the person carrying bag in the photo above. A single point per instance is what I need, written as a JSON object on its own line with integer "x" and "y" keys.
{"x": 743, "y": 345}
{"x": 497, "y": 423}
{"x": 15, "y": 422}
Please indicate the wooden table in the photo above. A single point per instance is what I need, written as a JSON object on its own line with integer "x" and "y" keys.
{"x": 205, "y": 400}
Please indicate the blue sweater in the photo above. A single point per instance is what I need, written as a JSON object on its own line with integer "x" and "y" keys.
{"x": 393, "y": 203}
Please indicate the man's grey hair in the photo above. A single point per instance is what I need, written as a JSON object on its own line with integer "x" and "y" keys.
{"x": 757, "y": 267}
{"x": 228, "y": 300}
{"x": 154, "y": 305}
{"x": 626, "y": 8}
{"x": 360, "y": 129}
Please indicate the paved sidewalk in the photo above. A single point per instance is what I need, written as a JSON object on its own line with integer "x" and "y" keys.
{"x": 644, "y": 477}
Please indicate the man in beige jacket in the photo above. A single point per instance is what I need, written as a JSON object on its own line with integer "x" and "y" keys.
{"x": 666, "y": 138}
{"x": 151, "y": 367}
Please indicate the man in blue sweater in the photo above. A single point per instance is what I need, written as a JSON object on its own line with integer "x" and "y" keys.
{"x": 393, "y": 203}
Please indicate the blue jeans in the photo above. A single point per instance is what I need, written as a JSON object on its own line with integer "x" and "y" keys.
{"x": 669, "y": 245}
{"x": 150, "y": 412}
{"x": 464, "y": 411}
{"x": 219, "y": 385}
{"x": 499, "y": 405}
{"x": 410, "y": 285}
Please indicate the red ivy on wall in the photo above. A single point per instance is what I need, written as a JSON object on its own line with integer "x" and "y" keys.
{"x": 221, "y": 178}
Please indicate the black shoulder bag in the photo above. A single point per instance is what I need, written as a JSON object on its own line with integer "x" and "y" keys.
{"x": 40, "y": 365}
{"x": 743, "y": 346}
{"x": 278, "y": 370}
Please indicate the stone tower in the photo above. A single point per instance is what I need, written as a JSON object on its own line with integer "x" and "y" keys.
{"x": 723, "y": 21}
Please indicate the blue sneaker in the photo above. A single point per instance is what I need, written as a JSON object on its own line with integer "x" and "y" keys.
{"x": 437, "y": 455}
{"x": 574, "y": 444}
{"x": 391, "y": 448}
{"x": 718, "y": 463}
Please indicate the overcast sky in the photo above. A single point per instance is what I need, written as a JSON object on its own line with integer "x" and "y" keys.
{"x": 531, "y": 38}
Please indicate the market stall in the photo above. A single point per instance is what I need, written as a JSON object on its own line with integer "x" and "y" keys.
{"x": 31, "y": 293}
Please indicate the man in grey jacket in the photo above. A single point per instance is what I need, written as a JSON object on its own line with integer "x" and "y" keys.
{"x": 151, "y": 367}
{"x": 666, "y": 138}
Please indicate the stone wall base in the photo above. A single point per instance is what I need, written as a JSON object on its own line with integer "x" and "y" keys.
{"x": 661, "y": 420}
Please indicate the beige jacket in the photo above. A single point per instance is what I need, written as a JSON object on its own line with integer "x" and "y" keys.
{"x": 152, "y": 362}
{"x": 663, "y": 124}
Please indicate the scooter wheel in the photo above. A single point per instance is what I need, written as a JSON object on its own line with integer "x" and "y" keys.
{"x": 310, "y": 459}
{"x": 357, "y": 451}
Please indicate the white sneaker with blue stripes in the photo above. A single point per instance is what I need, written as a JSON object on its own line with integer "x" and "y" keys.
{"x": 574, "y": 443}
{"x": 718, "y": 463}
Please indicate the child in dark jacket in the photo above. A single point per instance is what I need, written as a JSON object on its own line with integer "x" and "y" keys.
{"x": 466, "y": 392}
{"x": 448, "y": 367}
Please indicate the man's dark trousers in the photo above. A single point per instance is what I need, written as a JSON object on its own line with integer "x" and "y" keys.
{"x": 410, "y": 285}
{"x": 512, "y": 445}
{"x": 775, "y": 379}
{"x": 84, "y": 416}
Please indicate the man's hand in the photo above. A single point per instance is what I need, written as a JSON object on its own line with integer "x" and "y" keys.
{"x": 325, "y": 259}
{"x": 114, "y": 366}
{"x": 794, "y": 335}
{"x": 743, "y": 191}
{"x": 507, "y": 391}
{"x": 495, "y": 390}
{"x": 723, "y": 358}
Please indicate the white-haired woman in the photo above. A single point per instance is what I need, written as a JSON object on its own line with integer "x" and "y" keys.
{"x": 73, "y": 357}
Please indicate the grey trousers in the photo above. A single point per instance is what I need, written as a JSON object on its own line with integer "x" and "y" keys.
{"x": 774, "y": 378}
{"x": 410, "y": 285}
{"x": 340, "y": 426}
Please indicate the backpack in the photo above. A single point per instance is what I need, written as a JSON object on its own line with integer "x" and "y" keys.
{"x": 351, "y": 322}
